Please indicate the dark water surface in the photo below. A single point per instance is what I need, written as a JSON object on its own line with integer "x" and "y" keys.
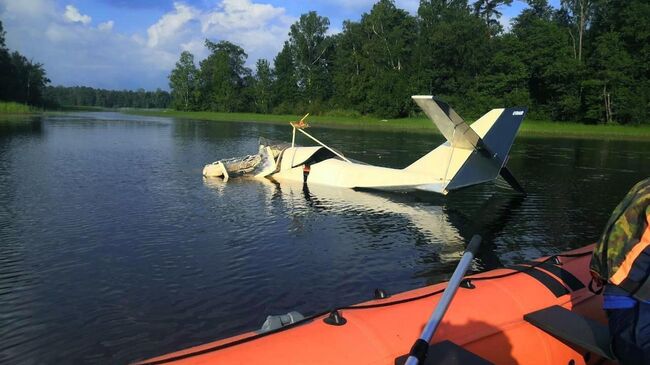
{"x": 113, "y": 248}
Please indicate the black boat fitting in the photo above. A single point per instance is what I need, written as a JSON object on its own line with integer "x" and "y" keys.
{"x": 381, "y": 294}
{"x": 335, "y": 319}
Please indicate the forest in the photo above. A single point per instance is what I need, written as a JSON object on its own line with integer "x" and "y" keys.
{"x": 24, "y": 81}
{"x": 587, "y": 61}
{"x": 88, "y": 96}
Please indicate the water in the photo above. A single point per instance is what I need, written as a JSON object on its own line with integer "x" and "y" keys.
{"x": 113, "y": 248}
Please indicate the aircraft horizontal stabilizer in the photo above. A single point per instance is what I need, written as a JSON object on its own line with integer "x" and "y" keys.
{"x": 448, "y": 122}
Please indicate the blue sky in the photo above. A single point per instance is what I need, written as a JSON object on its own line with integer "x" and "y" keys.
{"x": 122, "y": 44}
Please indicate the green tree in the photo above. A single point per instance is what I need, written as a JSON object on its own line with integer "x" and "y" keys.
{"x": 348, "y": 67}
{"x": 554, "y": 74}
{"x": 311, "y": 49}
{"x": 183, "y": 82}
{"x": 488, "y": 10}
{"x": 618, "y": 44}
{"x": 3, "y": 34}
{"x": 539, "y": 8}
{"x": 608, "y": 93}
{"x": 285, "y": 87}
{"x": 453, "y": 46}
{"x": 263, "y": 84}
{"x": 389, "y": 37}
{"x": 87, "y": 96}
{"x": 21, "y": 80}
{"x": 29, "y": 80}
{"x": 224, "y": 75}
{"x": 6, "y": 68}
{"x": 579, "y": 12}
{"x": 504, "y": 81}
{"x": 586, "y": 60}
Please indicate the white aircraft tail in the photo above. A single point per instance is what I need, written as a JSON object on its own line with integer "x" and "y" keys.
{"x": 472, "y": 154}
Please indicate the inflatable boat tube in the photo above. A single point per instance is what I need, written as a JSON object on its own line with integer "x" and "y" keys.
{"x": 539, "y": 312}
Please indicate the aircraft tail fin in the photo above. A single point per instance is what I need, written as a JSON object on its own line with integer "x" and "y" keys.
{"x": 474, "y": 154}
{"x": 497, "y": 130}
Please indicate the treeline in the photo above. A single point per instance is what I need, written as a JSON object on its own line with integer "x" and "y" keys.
{"x": 587, "y": 61}
{"x": 24, "y": 81}
{"x": 21, "y": 80}
{"x": 88, "y": 96}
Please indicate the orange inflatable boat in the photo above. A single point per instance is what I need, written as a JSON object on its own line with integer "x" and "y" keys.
{"x": 539, "y": 312}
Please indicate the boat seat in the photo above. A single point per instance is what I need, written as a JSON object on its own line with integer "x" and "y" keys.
{"x": 448, "y": 353}
{"x": 572, "y": 328}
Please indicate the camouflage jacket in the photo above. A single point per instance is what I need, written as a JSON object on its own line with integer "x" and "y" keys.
{"x": 623, "y": 232}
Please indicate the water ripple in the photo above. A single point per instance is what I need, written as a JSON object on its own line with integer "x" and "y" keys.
{"x": 113, "y": 248}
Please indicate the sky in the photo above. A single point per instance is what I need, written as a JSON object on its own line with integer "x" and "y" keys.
{"x": 122, "y": 44}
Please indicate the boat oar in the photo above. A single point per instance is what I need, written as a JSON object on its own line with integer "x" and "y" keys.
{"x": 421, "y": 346}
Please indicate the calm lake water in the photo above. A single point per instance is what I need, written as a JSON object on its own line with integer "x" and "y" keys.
{"x": 113, "y": 248}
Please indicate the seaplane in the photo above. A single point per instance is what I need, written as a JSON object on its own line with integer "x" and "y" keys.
{"x": 471, "y": 155}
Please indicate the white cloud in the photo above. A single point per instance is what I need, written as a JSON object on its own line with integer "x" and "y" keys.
{"x": 14, "y": 9}
{"x": 170, "y": 24}
{"x": 81, "y": 55}
{"x": 106, "y": 26}
{"x": 233, "y": 15}
{"x": 194, "y": 46}
{"x": 409, "y": 5}
{"x": 359, "y": 6}
{"x": 73, "y": 15}
{"x": 260, "y": 29}
{"x": 58, "y": 33}
{"x": 75, "y": 53}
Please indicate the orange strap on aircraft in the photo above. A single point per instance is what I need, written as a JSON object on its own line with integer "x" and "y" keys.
{"x": 301, "y": 123}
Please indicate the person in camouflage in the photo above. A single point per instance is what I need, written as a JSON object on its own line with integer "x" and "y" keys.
{"x": 621, "y": 262}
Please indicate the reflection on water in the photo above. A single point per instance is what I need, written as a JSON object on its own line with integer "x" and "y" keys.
{"x": 113, "y": 248}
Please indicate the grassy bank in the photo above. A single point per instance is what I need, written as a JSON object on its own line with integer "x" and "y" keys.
{"x": 73, "y": 108}
{"x": 355, "y": 122}
{"x": 9, "y": 107}
{"x": 417, "y": 124}
{"x": 579, "y": 130}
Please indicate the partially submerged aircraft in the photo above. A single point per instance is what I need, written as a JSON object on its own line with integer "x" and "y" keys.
{"x": 472, "y": 154}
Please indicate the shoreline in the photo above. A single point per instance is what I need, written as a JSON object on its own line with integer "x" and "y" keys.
{"x": 420, "y": 125}
{"x": 530, "y": 128}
